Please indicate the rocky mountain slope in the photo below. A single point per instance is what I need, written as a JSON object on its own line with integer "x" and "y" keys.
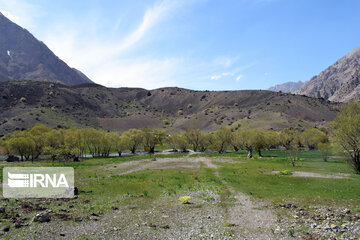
{"x": 25, "y": 103}
{"x": 22, "y": 56}
{"x": 287, "y": 87}
{"x": 340, "y": 82}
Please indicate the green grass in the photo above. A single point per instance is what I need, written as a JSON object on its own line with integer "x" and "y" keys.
{"x": 251, "y": 176}
{"x": 255, "y": 178}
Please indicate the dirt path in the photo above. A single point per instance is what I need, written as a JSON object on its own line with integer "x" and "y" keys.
{"x": 253, "y": 220}
{"x": 318, "y": 175}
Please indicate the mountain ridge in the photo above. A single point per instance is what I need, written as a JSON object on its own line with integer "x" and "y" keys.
{"x": 339, "y": 82}
{"x": 287, "y": 87}
{"x": 23, "y": 57}
{"x": 25, "y": 103}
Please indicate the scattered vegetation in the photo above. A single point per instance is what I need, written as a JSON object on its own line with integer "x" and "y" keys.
{"x": 73, "y": 143}
{"x": 185, "y": 199}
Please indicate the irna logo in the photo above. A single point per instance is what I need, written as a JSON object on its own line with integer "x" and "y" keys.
{"x": 37, "y": 180}
{"x": 42, "y": 182}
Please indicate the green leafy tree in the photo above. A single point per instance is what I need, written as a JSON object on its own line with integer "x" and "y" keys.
{"x": 325, "y": 149}
{"x": 289, "y": 137}
{"x": 120, "y": 143}
{"x": 25, "y": 147}
{"x": 37, "y": 134}
{"x": 346, "y": 132}
{"x": 222, "y": 139}
{"x": 259, "y": 140}
{"x": 194, "y": 138}
{"x": 152, "y": 137}
{"x": 311, "y": 137}
{"x": 93, "y": 138}
{"x": 177, "y": 142}
{"x": 245, "y": 139}
{"x": 206, "y": 142}
{"x": 272, "y": 139}
{"x": 135, "y": 139}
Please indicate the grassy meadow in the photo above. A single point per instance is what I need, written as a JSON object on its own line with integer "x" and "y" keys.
{"x": 103, "y": 188}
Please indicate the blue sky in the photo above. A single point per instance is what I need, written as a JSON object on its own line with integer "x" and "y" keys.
{"x": 196, "y": 44}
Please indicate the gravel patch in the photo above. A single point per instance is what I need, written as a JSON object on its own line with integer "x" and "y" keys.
{"x": 163, "y": 163}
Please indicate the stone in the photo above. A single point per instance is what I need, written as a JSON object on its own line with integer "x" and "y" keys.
{"x": 347, "y": 211}
{"x": 6, "y": 229}
{"x": 76, "y": 191}
{"x": 42, "y": 217}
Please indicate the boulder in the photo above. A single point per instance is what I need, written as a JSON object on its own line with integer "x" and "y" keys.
{"x": 42, "y": 217}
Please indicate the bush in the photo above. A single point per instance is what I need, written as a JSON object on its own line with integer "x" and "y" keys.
{"x": 185, "y": 199}
{"x": 285, "y": 172}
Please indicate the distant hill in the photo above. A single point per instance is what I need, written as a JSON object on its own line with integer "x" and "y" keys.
{"x": 340, "y": 82}
{"x": 22, "y": 56}
{"x": 287, "y": 87}
{"x": 25, "y": 103}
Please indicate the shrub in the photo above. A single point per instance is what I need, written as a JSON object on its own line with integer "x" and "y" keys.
{"x": 185, "y": 199}
{"x": 285, "y": 172}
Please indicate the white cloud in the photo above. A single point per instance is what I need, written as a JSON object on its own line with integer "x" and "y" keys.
{"x": 19, "y": 11}
{"x": 152, "y": 17}
{"x": 215, "y": 77}
{"x": 225, "y": 74}
{"x": 10, "y": 16}
{"x": 141, "y": 72}
{"x": 239, "y": 77}
{"x": 225, "y": 61}
{"x": 104, "y": 61}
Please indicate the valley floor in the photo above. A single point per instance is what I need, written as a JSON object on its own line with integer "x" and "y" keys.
{"x": 231, "y": 197}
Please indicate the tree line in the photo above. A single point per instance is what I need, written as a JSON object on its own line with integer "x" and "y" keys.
{"x": 73, "y": 143}
{"x": 76, "y": 142}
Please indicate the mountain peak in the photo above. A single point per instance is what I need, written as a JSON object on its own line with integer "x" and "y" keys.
{"x": 287, "y": 87}
{"x": 339, "y": 82}
{"x": 23, "y": 57}
{"x": 354, "y": 53}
